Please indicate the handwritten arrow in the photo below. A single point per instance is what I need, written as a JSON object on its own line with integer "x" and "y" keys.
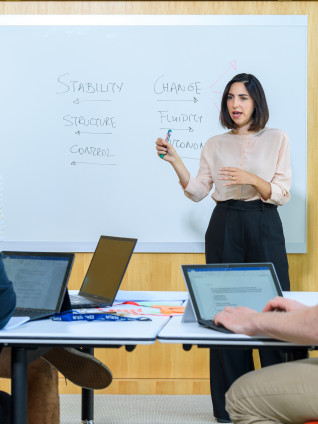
{"x": 179, "y": 129}
{"x": 92, "y": 163}
{"x": 86, "y": 132}
{"x": 194, "y": 100}
{"x": 78, "y": 101}
{"x": 233, "y": 65}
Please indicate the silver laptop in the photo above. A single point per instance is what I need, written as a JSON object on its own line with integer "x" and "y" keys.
{"x": 105, "y": 273}
{"x": 39, "y": 280}
{"x": 211, "y": 287}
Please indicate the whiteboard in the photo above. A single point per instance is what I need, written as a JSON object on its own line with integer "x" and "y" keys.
{"x": 84, "y": 98}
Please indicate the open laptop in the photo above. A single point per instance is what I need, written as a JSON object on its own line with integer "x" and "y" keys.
{"x": 211, "y": 287}
{"x": 105, "y": 273}
{"x": 39, "y": 280}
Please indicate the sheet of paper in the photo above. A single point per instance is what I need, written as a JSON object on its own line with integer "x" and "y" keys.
{"x": 16, "y": 322}
{"x": 137, "y": 310}
{"x": 162, "y": 302}
{"x": 150, "y": 296}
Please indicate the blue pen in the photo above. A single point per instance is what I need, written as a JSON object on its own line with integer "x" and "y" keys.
{"x": 167, "y": 140}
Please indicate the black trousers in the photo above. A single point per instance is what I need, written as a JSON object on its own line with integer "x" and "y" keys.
{"x": 5, "y": 406}
{"x": 240, "y": 232}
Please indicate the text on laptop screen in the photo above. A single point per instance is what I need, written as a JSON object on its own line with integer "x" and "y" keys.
{"x": 37, "y": 280}
{"x": 215, "y": 288}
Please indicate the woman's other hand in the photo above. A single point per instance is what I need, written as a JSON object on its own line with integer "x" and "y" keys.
{"x": 233, "y": 176}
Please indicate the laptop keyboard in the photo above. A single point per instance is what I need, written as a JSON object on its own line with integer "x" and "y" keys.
{"x": 78, "y": 301}
{"x": 26, "y": 312}
{"x": 211, "y": 324}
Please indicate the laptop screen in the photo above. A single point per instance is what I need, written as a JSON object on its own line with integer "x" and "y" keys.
{"x": 39, "y": 279}
{"x": 107, "y": 268}
{"x": 212, "y": 287}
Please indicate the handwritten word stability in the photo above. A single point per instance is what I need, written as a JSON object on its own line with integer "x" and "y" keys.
{"x": 67, "y": 85}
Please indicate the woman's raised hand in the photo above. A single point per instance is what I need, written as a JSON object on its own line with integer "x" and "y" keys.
{"x": 164, "y": 148}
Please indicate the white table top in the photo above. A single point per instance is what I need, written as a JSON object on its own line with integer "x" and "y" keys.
{"x": 175, "y": 331}
{"x": 94, "y": 333}
{"x": 97, "y": 333}
{"x": 192, "y": 333}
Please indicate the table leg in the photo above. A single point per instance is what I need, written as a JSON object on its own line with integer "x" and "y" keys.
{"x": 88, "y": 399}
{"x": 19, "y": 386}
{"x": 87, "y": 406}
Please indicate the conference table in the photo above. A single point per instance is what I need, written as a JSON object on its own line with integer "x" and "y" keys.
{"x": 32, "y": 339}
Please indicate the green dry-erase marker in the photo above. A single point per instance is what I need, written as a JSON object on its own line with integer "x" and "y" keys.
{"x": 167, "y": 140}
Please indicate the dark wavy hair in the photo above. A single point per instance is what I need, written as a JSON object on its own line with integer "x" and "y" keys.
{"x": 260, "y": 114}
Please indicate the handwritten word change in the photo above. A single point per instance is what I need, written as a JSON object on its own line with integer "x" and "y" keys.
{"x": 162, "y": 86}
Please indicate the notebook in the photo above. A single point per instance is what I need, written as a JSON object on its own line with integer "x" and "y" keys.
{"x": 211, "y": 287}
{"x": 39, "y": 280}
{"x": 105, "y": 273}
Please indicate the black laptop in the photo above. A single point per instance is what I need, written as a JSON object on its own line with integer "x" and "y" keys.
{"x": 39, "y": 280}
{"x": 105, "y": 273}
{"x": 211, "y": 287}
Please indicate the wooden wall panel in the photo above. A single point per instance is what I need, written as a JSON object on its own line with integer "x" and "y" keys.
{"x": 168, "y": 369}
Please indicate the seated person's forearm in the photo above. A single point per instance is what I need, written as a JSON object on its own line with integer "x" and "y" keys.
{"x": 297, "y": 326}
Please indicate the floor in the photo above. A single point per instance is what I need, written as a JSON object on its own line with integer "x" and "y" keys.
{"x": 141, "y": 409}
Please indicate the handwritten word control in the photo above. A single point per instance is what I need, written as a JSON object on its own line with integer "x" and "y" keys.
{"x": 90, "y": 150}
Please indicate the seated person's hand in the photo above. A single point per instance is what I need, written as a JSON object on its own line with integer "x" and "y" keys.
{"x": 239, "y": 320}
{"x": 282, "y": 304}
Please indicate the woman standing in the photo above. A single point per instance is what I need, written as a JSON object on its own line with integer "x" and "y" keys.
{"x": 250, "y": 169}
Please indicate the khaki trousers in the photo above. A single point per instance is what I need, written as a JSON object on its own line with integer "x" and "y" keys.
{"x": 284, "y": 393}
